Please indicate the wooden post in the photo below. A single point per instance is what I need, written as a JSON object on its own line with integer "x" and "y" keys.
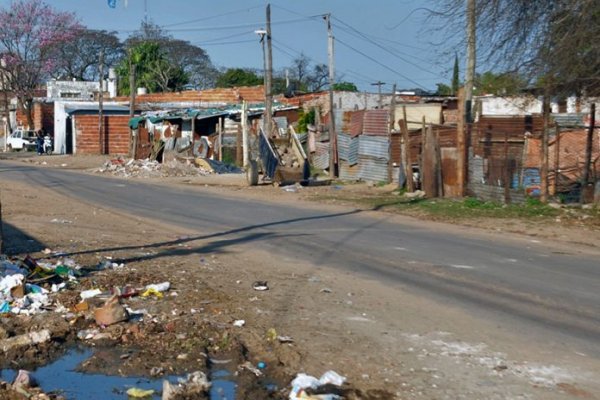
{"x": 245, "y": 133}
{"x": 101, "y": 106}
{"x": 392, "y": 122}
{"x": 588, "y": 153}
{"x": 506, "y": 171}
{"x": 238, "y": 147}
{"x": 439, "y": 172}
{"x": 429, "y": 171}
{"x": 133, "y": 140}
{"x": 544, "y": 150}
{"x": 461, "y": 147}
{"x": 406, "y": 163}
{"x": 220, "y": 131}
{"x": 556, "y": 160}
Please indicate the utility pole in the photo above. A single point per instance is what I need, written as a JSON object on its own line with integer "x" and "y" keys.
{"x": 379, "y": 84}
{"x": 269, "y": 78}
{"x": 392, "y": 122}
{"x": 101, "y": 106}
{"x": 333, "y": 162}
{"x": 470, "y": 71}
{"x": 132, "y": 102}
{"x": 588, "y": 152}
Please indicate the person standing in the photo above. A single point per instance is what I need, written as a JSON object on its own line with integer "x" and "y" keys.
{"x": 39, "y": 141}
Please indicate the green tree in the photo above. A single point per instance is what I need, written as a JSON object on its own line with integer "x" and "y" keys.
{"x": 152, "y": 70}
{"x": 502, "y": 84}
{"x": 235, "y": 77}
{"x": 455, "y": 77}
{"x": 443, "y": 90}
{"x": 345, "y": 86}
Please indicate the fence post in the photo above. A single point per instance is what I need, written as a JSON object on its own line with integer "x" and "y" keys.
{"x": 544, "y": 150}
{"x": 556, "y": 159}
{"x": 506, "y": 170}
{"x": 588, "y": 153}
{"x": 410, "y": 185}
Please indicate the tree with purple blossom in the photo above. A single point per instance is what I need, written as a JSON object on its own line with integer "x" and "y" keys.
{"x": 30, "y": 33}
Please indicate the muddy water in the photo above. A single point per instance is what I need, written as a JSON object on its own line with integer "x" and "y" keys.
{"x": 62, "y": 376}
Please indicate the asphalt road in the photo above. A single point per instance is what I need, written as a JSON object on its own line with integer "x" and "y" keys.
{"x": 525, "y": 283}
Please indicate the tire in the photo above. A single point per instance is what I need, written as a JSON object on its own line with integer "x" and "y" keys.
{"x": 252, "y": 173}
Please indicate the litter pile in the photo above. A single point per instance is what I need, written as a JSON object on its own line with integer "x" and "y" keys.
{"x": 26, "y": 285}
{"x": 173, "y": 168}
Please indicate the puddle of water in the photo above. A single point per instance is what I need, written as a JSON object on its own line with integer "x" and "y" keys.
{"x": 61, "y": 376}
{"x": 222, "y": 387}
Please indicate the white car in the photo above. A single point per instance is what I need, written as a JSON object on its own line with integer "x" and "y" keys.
{"x": 21, "y": 139}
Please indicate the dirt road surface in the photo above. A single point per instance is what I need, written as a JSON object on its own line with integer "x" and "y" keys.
{"x": 406, "y": 318}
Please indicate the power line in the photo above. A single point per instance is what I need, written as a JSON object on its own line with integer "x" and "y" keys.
{"x": 380, "y": 64}
{"x": 365, "y": 37}
{"x": 211, "y": 17}
{"x": 214, "y": 28}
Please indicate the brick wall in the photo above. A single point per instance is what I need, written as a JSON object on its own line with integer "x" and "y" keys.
{"x": 87, "y": 136}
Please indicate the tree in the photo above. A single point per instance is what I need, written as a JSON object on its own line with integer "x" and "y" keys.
{"x": 455, "y": 77}
{"x": 80, "y": 57}
{"x": 502, "y": 84}
{"x": 443, "y": 90}
{"x": 557, "y": 40}
{"x": 235, "y": 77}
{"x": 30, "y": 33}
{"x": 172, "y": 63}
{"x": 345, "y": 86}
{"x": 152, "y": 70}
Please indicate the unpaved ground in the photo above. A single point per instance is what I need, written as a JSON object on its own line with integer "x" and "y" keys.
{"x": 387, "y": 341}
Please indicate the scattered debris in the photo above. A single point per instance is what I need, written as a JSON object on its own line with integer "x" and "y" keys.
{"x": 111, "y": 312}
{"x": 417, "y": 194}
{"x": 174, "y": 168}
{"x": 26, "y": 339}
{"x": 260, "y": 286}
{"x": 304, "y": 385}
{"x": 239, "y": 323}
{"x": 249, "y": 367}
{"x": 139, "y": 393}
{"x": 195, "y": 384}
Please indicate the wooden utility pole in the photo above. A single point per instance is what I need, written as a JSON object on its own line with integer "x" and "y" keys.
{"x": 410, "y": 185}
{"x": 588, "y": 152}
{"x": 333, "y": 162}
{"x": 544, "y": 149}
{"x": 245, "y": 133}
{"x": 268, "y": 78}
{"x": 1, "y": 230}
{"x": 461, "y": 146}
{"x": 392, "y": 121}
{"x": 471, "y": 54}
{"x": 379, "y": 84}
{"x": 132, "y": 103}
{"x": 101, "y": 106}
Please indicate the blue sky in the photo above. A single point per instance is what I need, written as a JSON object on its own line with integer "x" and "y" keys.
{"x": 394, "y": 46}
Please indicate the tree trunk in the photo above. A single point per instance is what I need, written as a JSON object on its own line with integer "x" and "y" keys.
{"x": 27, "y": 105}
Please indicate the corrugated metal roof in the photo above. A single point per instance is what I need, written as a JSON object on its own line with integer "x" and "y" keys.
{"x": 373, "y": 146}
{"x": 93, "y": 108}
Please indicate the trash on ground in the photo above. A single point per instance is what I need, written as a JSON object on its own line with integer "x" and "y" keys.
{"x": 249, "y": 367}
{"x": 304, "y": 385}
{"x": 173, "y": 168}
{"x": 239, "y": 323}
{"x": 139, "y": 393}
{"x": 195, "y": 384}
{"x": 24, "y": 340}
{"x": 111, "y": 312}
{"x": 260, "y": 286}
{"x": 417, "y": 194}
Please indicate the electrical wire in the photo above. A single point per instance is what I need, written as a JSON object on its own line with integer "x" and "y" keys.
{"x": 211, "y": 17}
{"x": 381, "y": 64}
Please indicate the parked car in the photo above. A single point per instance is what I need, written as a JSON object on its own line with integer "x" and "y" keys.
{"x": 21, "y": 139}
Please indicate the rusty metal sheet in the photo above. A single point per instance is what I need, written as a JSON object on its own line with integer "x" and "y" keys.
{"x": 356, "y": 122}
{"x": 449, "y": 169}
{"x": 376, "y": 123}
